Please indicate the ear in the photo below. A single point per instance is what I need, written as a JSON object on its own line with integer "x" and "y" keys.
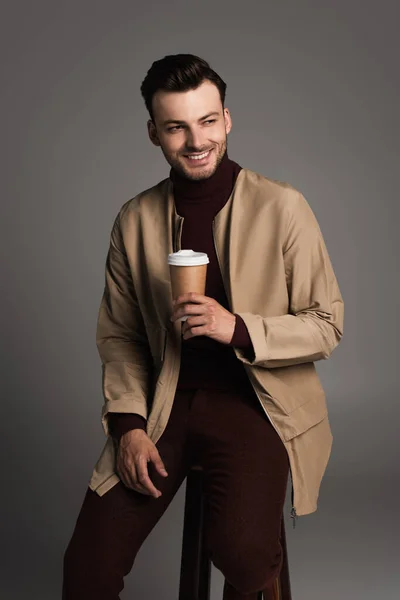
{"x": 228, "y": 120}
{"x": 152, "y": 131}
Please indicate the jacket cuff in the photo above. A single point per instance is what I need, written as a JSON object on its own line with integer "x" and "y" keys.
{"x": 120, "y": 423}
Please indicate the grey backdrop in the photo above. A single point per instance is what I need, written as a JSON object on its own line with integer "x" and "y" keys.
{"x": 313, "y": 89}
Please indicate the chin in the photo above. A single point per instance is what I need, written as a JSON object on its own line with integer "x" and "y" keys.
{"x": 199, "y": 174}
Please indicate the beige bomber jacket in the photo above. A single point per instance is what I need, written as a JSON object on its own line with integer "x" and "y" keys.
{"x": 278, "y": 277}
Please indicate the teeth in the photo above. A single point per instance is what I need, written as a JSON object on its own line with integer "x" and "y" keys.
{"x": 199, "y": 156}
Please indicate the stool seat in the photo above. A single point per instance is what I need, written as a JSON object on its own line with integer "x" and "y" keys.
{"x": 195, "y": 575}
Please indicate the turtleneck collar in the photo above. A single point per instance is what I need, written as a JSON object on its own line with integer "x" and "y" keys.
{"x": 205, "y": 188}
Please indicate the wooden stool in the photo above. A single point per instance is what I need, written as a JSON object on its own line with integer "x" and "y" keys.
{"x": 195, "y": 577}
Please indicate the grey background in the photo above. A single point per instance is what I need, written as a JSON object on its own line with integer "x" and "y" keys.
{"x": 313, "y": 89}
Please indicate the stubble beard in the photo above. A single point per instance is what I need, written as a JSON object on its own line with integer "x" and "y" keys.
{"x": 199, "y": 174}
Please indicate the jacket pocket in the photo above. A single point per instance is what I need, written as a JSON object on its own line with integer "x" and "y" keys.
{"x": 291, "y": 387}
{"x": 304, "y": 417}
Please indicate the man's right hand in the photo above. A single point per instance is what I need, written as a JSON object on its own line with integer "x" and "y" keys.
{"x": 135, "y": 450}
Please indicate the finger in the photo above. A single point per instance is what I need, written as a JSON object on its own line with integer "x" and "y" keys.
{"x": 128, "y": 474}
{"x": 144, "y": 479}
{"x": 158, "y": 463}
{"x": 195, "y": 331}
{"x": 191, "y": 297}
{"x": 122, "y": 472}
{"x": 195, "y": 321}
{"x": 189, "y": 310}
{"x": 129, "y": 477}
{"x": 135, "y": 483}
{"x": 196, "y": 326}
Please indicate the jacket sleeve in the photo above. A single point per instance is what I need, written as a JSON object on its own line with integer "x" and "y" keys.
{"x": 121, "y": 337}
{"x": 314, "y": 324}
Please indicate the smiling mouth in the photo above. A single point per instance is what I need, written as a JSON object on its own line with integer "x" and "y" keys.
{"x": 197, "y": 158}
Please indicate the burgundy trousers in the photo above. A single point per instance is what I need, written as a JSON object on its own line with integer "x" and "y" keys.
{"x": 245, "y": 474}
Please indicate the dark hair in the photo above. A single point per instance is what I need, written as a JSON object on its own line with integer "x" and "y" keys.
{"x": 178, "y": 73}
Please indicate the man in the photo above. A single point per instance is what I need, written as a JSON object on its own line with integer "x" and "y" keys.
{"x": 234, "y": 388}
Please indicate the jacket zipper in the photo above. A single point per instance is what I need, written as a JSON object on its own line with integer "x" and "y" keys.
{"x": 293, "y": 514}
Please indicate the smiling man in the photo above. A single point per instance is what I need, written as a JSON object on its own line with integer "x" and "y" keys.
{"x": 234, "y": 388}
{"x": 194, "y": 147}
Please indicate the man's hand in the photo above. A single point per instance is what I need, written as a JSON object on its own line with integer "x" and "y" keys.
{"x": 134, "y": 452}
{"x": 205, "y": 317}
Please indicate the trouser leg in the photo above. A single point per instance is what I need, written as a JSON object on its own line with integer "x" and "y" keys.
{"x": 246, "y": 469}
{"x": 110, "y": 529}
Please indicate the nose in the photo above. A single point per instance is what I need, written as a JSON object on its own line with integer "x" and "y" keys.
{"x": 194, "y": 140}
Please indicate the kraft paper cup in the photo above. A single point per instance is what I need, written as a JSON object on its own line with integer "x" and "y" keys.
{"x": 188, "y": 270}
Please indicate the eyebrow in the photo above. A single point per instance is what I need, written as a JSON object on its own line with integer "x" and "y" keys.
{"x": 169, "y": 121}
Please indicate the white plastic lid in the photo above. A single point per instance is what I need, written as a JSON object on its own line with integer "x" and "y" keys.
{"x": 188, "y": 258}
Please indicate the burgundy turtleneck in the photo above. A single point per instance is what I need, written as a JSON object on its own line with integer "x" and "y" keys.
{"x": 205, "y": 363}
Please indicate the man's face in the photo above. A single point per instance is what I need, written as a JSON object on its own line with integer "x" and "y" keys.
{"x": 190, "y": 124}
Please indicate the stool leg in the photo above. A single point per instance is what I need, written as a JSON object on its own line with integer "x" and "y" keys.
{"x": 284, "y": 579}
{"x": 195, "y": 574}
{"x": 205, "y": 570}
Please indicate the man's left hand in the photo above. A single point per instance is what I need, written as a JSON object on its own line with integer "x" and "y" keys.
{"x": 205, "y": 317}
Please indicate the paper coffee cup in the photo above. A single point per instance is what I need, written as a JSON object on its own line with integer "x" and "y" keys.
{"x": 188, "y": 270}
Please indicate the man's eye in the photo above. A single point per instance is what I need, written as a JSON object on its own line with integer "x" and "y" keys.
{"x": 174, "y": 127}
